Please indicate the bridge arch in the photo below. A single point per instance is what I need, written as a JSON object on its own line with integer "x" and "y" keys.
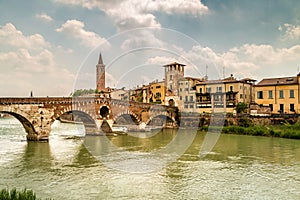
{"x": 126, "y": 115}
{"x": 24, "y": 120}
{"x": 71, "y": 108}
{"x": 79, "y": 116}
{"x": 165, "y": 119}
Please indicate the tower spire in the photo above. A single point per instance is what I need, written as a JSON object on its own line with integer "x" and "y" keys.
{"x": 100, "y": 61}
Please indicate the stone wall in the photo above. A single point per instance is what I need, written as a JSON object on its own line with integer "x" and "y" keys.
{"x": 193, "y": 120}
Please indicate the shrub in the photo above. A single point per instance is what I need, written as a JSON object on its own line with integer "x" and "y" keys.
{"x": 13, "y": 194}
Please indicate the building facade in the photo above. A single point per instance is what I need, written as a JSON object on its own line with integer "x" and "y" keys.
{"x": 157, "y": 92}
{"x": 187, "y": 94}
{"x": 224, "y": 94}
{"x": 280, "y": 94}
{"x": 120, "y": 94}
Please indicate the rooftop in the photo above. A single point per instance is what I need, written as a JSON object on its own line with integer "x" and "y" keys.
{"x": 279, "y": 81}
{"x": 174, "y": 63}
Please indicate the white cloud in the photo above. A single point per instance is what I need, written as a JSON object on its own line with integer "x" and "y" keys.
{"x": 75, "y": 29}
{"x": 131, "y": 14}
{"x": 191, "y": 7}
{"x": 44, "y": 17}
{"x": 25, "y": 71}
{"x": 9, "y": 35}
{"x": 266, "y": 54}
{"x": 248, "y": 60}
{"x": 142, "y": 38}
{"x": 28, "y": 63}
{"x": 161, "y": 60}
{"x": 291, "y": 32}
{"x": 128, "y": 14}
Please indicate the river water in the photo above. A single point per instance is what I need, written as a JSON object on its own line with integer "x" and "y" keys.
{"x": 238, "y": 167}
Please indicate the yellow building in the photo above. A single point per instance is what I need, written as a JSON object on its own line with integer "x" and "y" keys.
{"x": 157, "y": 92}
{"x": 224, "y": 94}
{"x": 280, "y": 94}
{"x": 140, "y": 94}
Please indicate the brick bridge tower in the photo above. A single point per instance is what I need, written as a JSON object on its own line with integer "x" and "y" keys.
{"x": 100, "y": 77}
{"x": 173, "y": 72}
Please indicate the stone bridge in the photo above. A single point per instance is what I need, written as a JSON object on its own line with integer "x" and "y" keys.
{"x": 97, "y": 114}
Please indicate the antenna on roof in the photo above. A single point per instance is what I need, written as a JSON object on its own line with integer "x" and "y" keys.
{"x": 206, "y": 77}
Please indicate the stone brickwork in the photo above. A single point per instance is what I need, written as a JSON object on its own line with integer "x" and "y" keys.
{"x": 38, "y": 114}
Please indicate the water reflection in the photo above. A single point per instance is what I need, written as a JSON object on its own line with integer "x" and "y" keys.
{"x": 239, "y": 167}
{"x": 84, "y": 158}
{"x": 37, "y": 156}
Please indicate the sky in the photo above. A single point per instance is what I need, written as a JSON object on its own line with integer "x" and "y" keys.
{"x": 51, "y": 47}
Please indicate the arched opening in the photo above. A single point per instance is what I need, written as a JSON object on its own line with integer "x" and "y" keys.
{"x": 27, "y": 125}
{"x": 79, "y": 118}
{"x": 104, "y": 111}
{"x": 171, "y": 103}
{"x": 161, "y": 121}
{"x": 126, "y": 119}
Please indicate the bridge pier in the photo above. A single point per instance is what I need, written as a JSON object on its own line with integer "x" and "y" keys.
{"x": 37, "y": 137}
{"x": 97, "y": 113}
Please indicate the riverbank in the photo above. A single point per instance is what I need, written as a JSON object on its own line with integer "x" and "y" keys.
{"x": 282, "y": 131}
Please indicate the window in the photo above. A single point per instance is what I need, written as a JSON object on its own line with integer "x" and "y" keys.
{"x": 281, "y": 96}
{"x": 208, "y": 90}
{"x": 281, "y": 108}
{"x": 200, "y": 90}
{"x": 191, "y": 98}
{"x": 292, "y": 107}
{"x": 170, "y": 87}
{"x": 260, "y": 95}
{"x": 186, "y": 99}
{"x": 157, "y": 86}
{"x": 186, "y": 89}
{"x": 180, "y": 89}
{"x": 180, "y": 98}
{"x": 186, "y": 106}
{"x": 231, "y": 88}
{"x": 171, "y": 77}
{"x": 157, "y": 95}
{"x": 271, "y": 107}
{"x": 192, "y": 106}
{"x": 292, "y": 94}
{"x": 270, "y": 94}
{"x": 219, "y": 89}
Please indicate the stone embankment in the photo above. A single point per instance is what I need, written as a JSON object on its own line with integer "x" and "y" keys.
{"x": 199, "y": 120}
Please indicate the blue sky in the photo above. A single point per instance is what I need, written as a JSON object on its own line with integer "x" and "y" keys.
{"x": 52, "y": 47}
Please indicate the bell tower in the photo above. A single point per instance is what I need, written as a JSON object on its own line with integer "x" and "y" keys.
{"x": 173, "y": 72}
{"x": 100, "y": 74}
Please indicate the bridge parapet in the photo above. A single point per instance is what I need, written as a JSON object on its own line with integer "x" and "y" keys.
{"x": 38, "y": 113}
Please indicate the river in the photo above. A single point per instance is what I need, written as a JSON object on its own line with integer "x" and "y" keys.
{"x": 238, "y": 167}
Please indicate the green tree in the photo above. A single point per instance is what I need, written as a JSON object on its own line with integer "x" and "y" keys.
{"x": 81, "y": 92}
{"x": 241, "y": 107}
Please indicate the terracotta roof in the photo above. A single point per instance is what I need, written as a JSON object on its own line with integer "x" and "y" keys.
{"x": 278, "y": 81}
{"x": 226, "y": 80}
{"x": 191, "y": 78}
